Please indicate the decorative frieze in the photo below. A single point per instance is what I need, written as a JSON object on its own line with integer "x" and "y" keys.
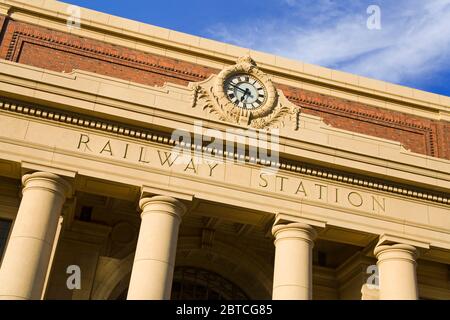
{"x": 110, "y": 127}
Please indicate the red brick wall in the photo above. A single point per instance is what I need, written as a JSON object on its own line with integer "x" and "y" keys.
{"x": 60, "y": 51}
{"x": 443, "y": 136}
{"x": 37, "y": 55}
{"x": 415, "y": 133}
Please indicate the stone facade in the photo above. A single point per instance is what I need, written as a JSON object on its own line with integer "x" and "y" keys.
{"x": 354, "y": 203}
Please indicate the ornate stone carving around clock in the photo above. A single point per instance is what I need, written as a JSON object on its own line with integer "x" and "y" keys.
{"x": 245, "y": 95}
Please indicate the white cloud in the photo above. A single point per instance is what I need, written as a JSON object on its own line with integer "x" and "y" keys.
{"x": 414, "y": 40}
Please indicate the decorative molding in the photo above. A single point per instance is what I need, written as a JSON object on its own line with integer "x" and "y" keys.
{"x": 388, "y": 239}
{"x": 275, "y": 112}
{"x": 79, "y": 120}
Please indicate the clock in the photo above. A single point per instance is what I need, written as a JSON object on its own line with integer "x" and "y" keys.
{"x": 245, "y": 91}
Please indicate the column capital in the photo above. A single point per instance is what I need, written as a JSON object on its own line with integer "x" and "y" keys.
{"x": 165, "y": 204}
{"x": 390, "y": 243}
{"x": 397, "y": 270}
{"x": 47, "y": 181}
{"x": 396, "y": 251}
{"x": 294, "y": 230}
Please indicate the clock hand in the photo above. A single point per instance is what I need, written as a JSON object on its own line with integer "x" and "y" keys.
{"x": 247, "y": 91}
{"x": 242, "y": 90}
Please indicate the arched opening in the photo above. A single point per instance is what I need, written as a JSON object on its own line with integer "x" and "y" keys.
{"x": 191, "y": 283}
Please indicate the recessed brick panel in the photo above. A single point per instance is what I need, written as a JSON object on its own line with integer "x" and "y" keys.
{"x": 37, "y": 55}
{"x": 62, "y": 52}
{"x": 415, "y": 133}
{"x": 443, "y": 137}
{"x": 58, "y": 51}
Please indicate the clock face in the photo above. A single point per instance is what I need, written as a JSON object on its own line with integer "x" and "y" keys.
{"x": 245, "y": 91}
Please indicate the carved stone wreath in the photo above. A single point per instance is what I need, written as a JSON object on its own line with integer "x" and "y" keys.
{"x": 271, "y": 114}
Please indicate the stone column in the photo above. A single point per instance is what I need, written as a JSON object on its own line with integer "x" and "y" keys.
{"x": 152, "y": 274}
{"x": 24, "y": 267}
{"x": 397, "y": 272}
{"x": 293, "y": 261}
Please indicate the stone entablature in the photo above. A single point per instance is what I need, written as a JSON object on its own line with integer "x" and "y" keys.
{"x": 308, "y": 129}
{"x": 94, "y": 120}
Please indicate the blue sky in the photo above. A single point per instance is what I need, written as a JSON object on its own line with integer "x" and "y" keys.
{"x": 411, "y": 48}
